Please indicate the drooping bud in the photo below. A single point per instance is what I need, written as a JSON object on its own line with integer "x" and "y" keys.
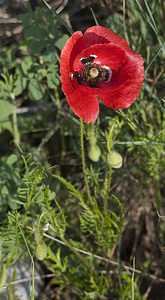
{"x": 115, "y": 160}
{"x": 94, "y": 152}
{"x": 41, "y": 251}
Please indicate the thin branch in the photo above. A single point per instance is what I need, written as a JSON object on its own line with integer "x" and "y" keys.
{"x": 14, "y": 282}
{"x": 112, "y": 262}
{"x": 43, "y": 107}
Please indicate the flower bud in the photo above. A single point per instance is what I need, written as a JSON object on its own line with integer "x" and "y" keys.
{"x": 115, "y": 160}
{"x": 41, "y": 251}
{"x": 94, "y": 153}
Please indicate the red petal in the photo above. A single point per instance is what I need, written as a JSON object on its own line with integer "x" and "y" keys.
{"x": 83, "y": 105}
{"x": 129, "y": 82}
{"x": 107, "y": 54}
{"x": 65, "y": 60}
{"x": 122, "y": 98}
{"x": 98, "y": 34}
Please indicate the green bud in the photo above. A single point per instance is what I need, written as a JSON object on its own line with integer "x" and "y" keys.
{"x": 94, "y": 153}
{"x": 115, "y": 160}
{"x": 38, "y": 237}
{"x": 41, "y": 251}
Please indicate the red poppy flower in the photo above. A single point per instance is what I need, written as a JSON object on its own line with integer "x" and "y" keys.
{"x": 99, "y": 63}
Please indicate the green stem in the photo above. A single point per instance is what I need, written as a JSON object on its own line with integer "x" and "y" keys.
{"x": 157, "y": 192}
{"x": 31, "y": 257}
{"x": 29, "y": 200}
{"x": 15, "y": 128}
{"x": 92, "y": 135}
{"x": 15, "y": 122}
{"x": 107, "y": 186}
{"x": 108, "y": 174}
{"x": 83, "y": 162}
{"x": 61, "y": 128}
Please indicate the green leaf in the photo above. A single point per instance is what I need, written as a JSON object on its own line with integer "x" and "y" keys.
{"x": 61, "y": 41}
{"x": 35, "y": 90}
{"x": 4, "y": 190}
{"x": 3, "y": 84}
{"x": 4, "y": 92}
{"x": 26, "y": 64}
{"x": 6, "y": 124}
{"x": 12, "y": 159}
{"x": 52, "y": 81}
{"x": 41, "y": 74}
{"x": 20, "y": 84}
{"x": 50, "y": 54}
{"x": 70, "y": 187}
{"x": 36, "y": 47}
{"x": 12, "y": 203}
{"x": 6, "y": 109}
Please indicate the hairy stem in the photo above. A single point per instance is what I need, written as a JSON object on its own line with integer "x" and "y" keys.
{"x": 15, "y": 128}
{"x": 83, "y": 162}
{"x": 107, "y": 187}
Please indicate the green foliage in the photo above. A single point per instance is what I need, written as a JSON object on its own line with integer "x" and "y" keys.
{"x": 11, "y": 243}
{"x": 9, "y": 184}
{"x": 105, "y": 230}
{"x": 76, "y": 226}
{"x": 126, "y": 289}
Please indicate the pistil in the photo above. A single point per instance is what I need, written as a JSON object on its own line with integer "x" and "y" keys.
{"x": 92, "y": 74}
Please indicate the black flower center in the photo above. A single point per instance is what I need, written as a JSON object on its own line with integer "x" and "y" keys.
{"x": 92, "y": 74}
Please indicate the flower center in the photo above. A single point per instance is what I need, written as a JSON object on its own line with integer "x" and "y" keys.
{"x": 92, "y": 74}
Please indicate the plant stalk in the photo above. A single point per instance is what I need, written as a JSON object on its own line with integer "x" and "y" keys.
{"x": 15, "y": 128}
{"x": 107, "y": 186}
{"x": 83, "y": 162}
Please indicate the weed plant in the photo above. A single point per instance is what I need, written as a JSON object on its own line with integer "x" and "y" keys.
{"x": 96, "y": 226}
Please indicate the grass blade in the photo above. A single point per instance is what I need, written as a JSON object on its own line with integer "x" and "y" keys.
{"x": 58, "y": 17}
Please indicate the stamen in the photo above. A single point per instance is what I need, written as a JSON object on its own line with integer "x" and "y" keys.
{"x": 92, "y": 74}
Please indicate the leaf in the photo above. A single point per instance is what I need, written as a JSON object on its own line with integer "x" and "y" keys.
{"x": 12, "y": 203}
{"x": 50, "y": 54}
{"x": 52, "y": 81}
{"x": 4, "y": 190}
{"x": 6, "y": 124}
{"x": 36, "y": 47}
{"x": 70, "y": 187}
{"x": 6, "y": 109}
{"x": 41, "y": 73}
{"x": 26, "y": 64}
{"x": 20, "y": 84}
{"x": 61, "y": 41}
{"x": 35, "y": 90}
{"x": 3, "y": 84}
{"x": 12, "y": 159}
{"x": 3, "y": 92}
